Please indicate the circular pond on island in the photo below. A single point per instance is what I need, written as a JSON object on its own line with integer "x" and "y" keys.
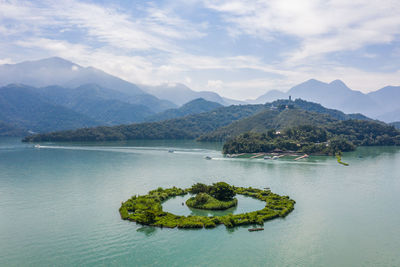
{"x": 148, "y": 209}
{"x": 245, "y": 204}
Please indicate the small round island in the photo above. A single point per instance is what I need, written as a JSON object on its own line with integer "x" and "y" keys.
{"x": 147, "y": 209}
{"x": 218, "y": 196}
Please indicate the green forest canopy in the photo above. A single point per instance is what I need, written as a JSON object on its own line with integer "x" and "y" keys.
{"x": 339, "y": 136}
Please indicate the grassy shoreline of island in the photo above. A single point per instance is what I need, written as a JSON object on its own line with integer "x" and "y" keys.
{"x": 147, "y": 209}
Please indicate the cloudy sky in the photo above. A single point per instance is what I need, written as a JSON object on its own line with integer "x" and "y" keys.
{"x": 239, "y": 49}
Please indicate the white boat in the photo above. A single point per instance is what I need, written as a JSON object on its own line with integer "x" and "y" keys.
{"x": 37, "y": 146}
{"x": 275, "y": 157}
{"x": 267, "y": 157}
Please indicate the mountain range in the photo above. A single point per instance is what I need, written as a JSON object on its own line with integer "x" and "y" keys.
{"x": 196, "y": 106}
{"x": 279, "y": 114}
{"x": 180, "y": 94}
{"x": 55, "y": 108}
{"x": 60, "y": 72}
{"x": 382, "y": 104}
{"x": 22, "y": 107}
{"x": 55, "y": 94}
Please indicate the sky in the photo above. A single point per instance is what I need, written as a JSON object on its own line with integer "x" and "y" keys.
{"x": 239, "y": 49}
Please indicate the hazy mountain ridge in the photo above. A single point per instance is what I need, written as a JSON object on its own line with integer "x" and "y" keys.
{"x": 180, "y": 94}
{"x": 8, "y": 129}
{"x": 381, "y": 104}
{"x": 188, "y": 127}
{"x": 396, "y": 124}
{"x": 64, "y": 73}
{"x": 21, "y": 106}
{"x": 388, "y": 97}
{"x": 105, "y": 105}
{"x": 193, "y": 107}
{"x": 102, "y": 99}
{"x": 55, "y": 108}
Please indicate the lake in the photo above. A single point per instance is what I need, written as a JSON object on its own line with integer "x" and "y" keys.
{"x": 59, "y": 206}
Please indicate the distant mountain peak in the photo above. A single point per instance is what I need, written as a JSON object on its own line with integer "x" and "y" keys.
{"x": 338, "y": 82}
{"x": 53, "y": 61}
{"x": 180, "y": 94}
{"x": 194, "y": 106}
{"x": 312, "y": 81}
{"x": 196, "y": 100}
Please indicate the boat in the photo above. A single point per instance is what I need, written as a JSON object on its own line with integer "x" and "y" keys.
{"x": 171, "y": 151}
{"x": 37, "y": 146}
{"x": 207, "y": 157}
{"x": 267, "y": 157}
{"x": 275, "y": 157}
{"x": 255, "y": 229}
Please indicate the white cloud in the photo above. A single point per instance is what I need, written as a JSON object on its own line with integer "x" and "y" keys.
{"x": 188, "y": 80}
{"x": 214, "y": 84}
{"x": 151, "y": 46}
{"x": 321, "y": 27}
{"x": 6, "y": 61}
{"x": 155, "y": 30}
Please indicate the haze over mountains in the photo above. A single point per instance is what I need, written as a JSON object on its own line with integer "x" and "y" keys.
{"x": 382, "y": 104}
{"x": 55, "y": 94}
{"x": 61, "y": 72}
{"x": 180, "y": 94}
{"x": 196, "y": 106}
{"x": 22, "y": 107}
{"x": 87, "y": 96}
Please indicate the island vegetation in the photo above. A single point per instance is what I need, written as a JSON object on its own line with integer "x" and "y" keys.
{"x": 147, "y": 209}
{"x": 329, "y": 139}
{"x": 218, "y": 196}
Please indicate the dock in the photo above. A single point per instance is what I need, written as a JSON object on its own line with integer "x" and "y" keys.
{"x": 257, "y": 155}
{"x": 302, "y": 157}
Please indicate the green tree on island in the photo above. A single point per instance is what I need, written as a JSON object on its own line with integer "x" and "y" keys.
{"x": 222, "y": 191}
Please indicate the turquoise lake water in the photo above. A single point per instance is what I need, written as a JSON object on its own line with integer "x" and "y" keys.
{"x": 59, "y": 206}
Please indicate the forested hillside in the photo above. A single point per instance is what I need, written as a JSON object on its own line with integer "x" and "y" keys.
{"x": 334, "y": 137}
{"x": 23, "y": 108}
{"x": 279, "y": 114}
{"x": 268, "y": 119}
{"x": 188, "y": 127}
